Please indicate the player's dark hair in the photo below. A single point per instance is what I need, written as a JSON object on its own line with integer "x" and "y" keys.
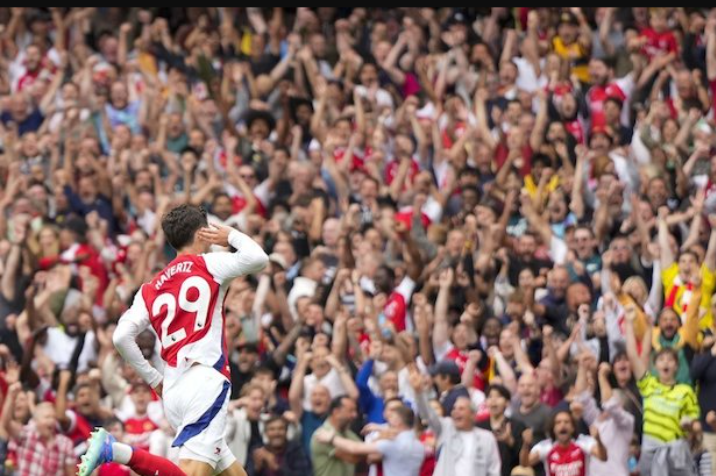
{"x": 181, "y": 223}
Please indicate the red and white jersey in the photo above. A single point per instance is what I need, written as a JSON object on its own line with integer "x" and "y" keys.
{"x": 570, "y": 460}
{"x": 138, "y": 431}
{"x": 184, "y": 305}
{"x": 620, "y": 89}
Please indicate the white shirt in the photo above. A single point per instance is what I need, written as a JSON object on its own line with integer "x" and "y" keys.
{"x": 465, "y": 463}
{"x": 402, "y": 456}
{"x": 332, "y": 381}
{"x": 60, "y": 347}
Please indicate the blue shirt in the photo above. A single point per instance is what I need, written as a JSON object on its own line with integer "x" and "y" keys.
{"x": 31, "y": 124}
{"x": 310, "y": 422}
{"x": 402, "y": 456}
{"x": 370, "y": 404}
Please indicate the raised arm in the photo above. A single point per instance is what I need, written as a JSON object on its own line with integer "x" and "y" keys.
{"x": 639, "y": 363}
{"x": 425, "y": 411}
{"x": 710, "y": 259}
{"x": 711, "y": 49}
{"x": 576, "y": 204}
{"x": 509, "y": 379}
{"x": 537, "y": 135}
{"x": 528, "y": 457}
{"x": 8, "y": 427}
{"x": 440, "y": 328}
{"x": 666, "y": 255}
{"x": 295, "y": 391}
{"x": 249, "y": 257}
{"x": 344, "y": 374}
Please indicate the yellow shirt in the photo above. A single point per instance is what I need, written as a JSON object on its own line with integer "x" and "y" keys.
{"x": 576, "y": 55}
{"x": 677, "y": 294}
{"x": 665, "y": 406}
{"x": 531, "y": 187}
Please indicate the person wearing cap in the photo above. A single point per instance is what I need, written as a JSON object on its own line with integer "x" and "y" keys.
{"x": 573, "y": 42}
{"x": 465, "y": 450}
{"x": 448, "y": 379}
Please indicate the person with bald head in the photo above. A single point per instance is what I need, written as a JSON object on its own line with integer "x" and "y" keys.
{"x": 23, "y": 114}
{"x": 310, "y": 395}
{"x": 527, "y": 407}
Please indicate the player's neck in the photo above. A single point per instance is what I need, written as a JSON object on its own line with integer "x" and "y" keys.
{"x": 191, "y": 250}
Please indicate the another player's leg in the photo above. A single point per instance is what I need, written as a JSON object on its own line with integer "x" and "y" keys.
{"x": 103, "y": 448}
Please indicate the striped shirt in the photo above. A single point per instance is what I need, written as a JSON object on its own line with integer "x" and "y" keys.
{"x": 665, "y": 406}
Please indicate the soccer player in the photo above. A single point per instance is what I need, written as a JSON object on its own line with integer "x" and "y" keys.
{"x": 184, "y": 306}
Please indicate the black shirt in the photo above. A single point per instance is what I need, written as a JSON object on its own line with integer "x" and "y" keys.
{"x": 510, "y": 455}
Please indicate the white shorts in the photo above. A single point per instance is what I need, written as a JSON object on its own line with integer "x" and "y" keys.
{"x": 196, "y": 407}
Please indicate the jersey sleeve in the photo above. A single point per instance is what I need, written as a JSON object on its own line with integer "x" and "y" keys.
{"x": 248, "y": 258}
{"x": 542, "y": 449}
{"x": 586, "y": 443}
{"x": 130, "y": 325}
{"x": 406, "y": 288}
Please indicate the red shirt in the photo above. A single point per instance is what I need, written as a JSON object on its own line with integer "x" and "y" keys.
{"x": 82, "y": 254}
{"x": 395, "y": 311}
{"x": 658, "y": 43}
{"x": 501, "y": 152}
{"x": 81, "y": 429}
{"x": 570, "y": 460}
{"x": 460, "y": 357}
{"x": 238, "y": 203}
{"x": 427, "y": 438}
{"x": 184, "y": 308}
{"x": 392, "y": 170}
{"x": 597, "y": 95}
{"x": 138, "y": 430}
{"x": 577, "y": 130}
